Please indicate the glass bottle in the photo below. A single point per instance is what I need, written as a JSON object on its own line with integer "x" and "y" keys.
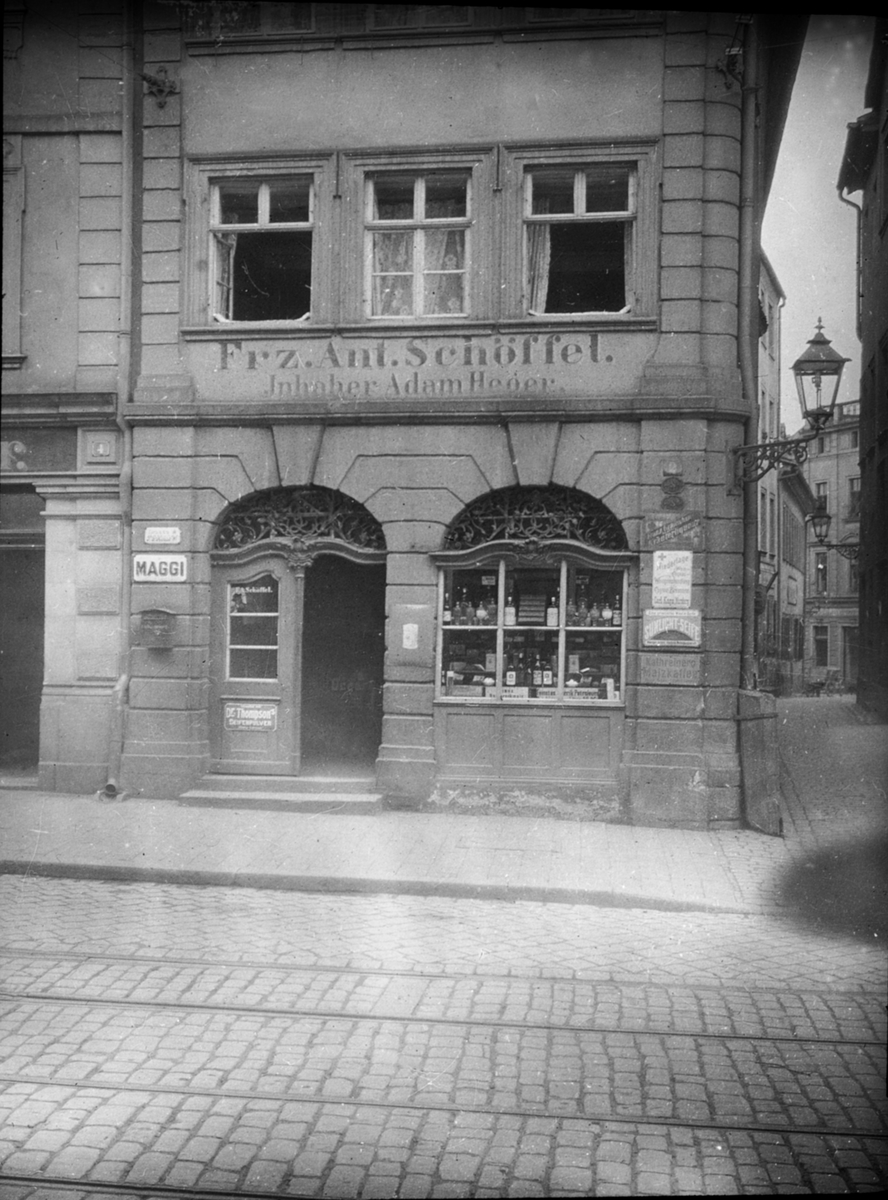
{"x": 470, "y": 612}
{"x": 594, "y": 614}
{"x": 552, "y": 612}
{"x": 447, "y": 615}
{"x": 548, "y": 673}
{"x": 607, "y": 613}
{"x": 510, "y": 613}
{"x": 571, "y": 614}
{"x": 481, "y": 613}
{"x": 510, "y": 670}
{"x": 618, "y": 610}
{"x": 583, "y": 612}
{"x": 537, "y": 672}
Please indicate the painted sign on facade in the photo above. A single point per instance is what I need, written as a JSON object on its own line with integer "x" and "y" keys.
{"x": 684, "y": 669}
{"x": 417, "y": 368}
{"x": 673, "y": 531}
{"x": 160, "y": 568}
{"x": 243, "y": 715}
{"x": 672, "y": 578}
{"x": 671, "y": 627}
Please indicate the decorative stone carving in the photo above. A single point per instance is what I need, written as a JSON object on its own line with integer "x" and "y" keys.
{"x": 532, "y": 516}
{"x": 300, "y": 515}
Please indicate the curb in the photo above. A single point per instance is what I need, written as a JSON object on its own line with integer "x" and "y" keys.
{"x": 358, "y": 885}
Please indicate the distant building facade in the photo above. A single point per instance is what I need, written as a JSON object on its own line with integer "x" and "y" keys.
{"x": 864, "y": 170}
{"x": 370, "y": 395}
{"x": 833, "y": 474}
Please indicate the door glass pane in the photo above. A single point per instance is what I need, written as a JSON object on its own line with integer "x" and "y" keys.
{"x": 253, "y": 629}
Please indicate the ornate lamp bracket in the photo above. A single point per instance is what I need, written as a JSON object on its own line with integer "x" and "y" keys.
{"x": 749, "y": 463}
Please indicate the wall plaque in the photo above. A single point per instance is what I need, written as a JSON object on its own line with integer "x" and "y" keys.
{"x": 672, "y": 578}
{"x": 245, "y": 715}
{"x": 163, "y": 535}
{"x": 673, "y": 531}
{"x": 671, "y": 627}
{"x": 684, "y": 669}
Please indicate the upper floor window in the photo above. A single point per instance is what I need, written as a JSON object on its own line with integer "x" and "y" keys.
{"x": 417, "y": 16}
{"x": 417, "y": 244}
{"x": 821, "y": 491}
{"x": 442, "y": 236}
{"x": 854, "y": 499}
{"x": 821, "y": 576}
{"x": 579, "y": 238}
{"x": 261, "y": 249}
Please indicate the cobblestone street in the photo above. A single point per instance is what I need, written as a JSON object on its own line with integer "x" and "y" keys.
{"x": 231, "y": 1041}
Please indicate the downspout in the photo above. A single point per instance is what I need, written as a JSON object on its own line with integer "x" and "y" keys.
{"x": 859, "y": 299}
{"x": 120, "y": 694}
{"x": 747, "y": 298}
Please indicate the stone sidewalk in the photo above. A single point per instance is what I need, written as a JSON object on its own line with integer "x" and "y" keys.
{"x": 834, "y": 761}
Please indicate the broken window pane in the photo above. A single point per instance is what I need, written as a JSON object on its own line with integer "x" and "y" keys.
{"x": 271, "y": 276}
{"x": 586, "y": 267}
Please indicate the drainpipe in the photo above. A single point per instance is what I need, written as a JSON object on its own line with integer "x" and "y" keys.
{"x": 859, "y": 298}
{"x": 120, "y": 694}
{"x": 747, "y": 297}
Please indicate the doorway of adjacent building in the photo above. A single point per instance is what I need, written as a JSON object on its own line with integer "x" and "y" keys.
{"x": 849, "y": 655}
{"x": 342, "y": 665}
{"x": 22, "y": 571}
{"x": 298, "y": 666}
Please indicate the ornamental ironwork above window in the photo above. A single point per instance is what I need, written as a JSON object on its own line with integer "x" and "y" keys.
{"x": 536, "y": 514}
{"x": 301, "y": 515}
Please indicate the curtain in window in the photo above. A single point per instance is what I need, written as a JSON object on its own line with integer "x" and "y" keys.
{"x": 444, "y": 271}
{"x": 226, "y": 245}
{"x": 538, "y": 258}
{"x": 393, "y": 273}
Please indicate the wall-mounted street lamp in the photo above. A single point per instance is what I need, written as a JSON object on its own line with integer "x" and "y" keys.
{"x": 818, "y": 373}
{"x": 820, "y": 522}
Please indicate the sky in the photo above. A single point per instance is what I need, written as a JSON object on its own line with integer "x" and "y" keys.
{"x": 808, "y": 234}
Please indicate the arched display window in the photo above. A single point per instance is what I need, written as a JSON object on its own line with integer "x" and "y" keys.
{"x": 532, "y": 597}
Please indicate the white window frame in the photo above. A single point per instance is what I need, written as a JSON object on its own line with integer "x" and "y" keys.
{"x": 580, "y": 216}
{"x": 419, "y": 226}
{"x": 641, "y": 217}
{"x": 204, "y": 176}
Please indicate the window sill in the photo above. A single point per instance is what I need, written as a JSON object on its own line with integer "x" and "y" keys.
{"x": 416, "y": 326}
{"x": 529, "y": 702}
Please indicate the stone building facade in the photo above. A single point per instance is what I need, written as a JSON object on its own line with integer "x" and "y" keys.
{"x": 864, "y": 176}
{"x": 399, "y": 489}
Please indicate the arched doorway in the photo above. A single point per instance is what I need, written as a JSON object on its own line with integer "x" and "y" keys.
{"x": 297, "y": 635}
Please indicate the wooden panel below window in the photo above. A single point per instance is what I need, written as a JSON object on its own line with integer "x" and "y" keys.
{"x": 539, "y": 744}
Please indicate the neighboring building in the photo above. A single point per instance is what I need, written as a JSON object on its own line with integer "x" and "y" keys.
{"x": 771, "y": 300}
{"x": 833, "y": 473}
{"x": 865, "y": 169}
{"x": 418, "y": 464}
{"x": 796, "y": 503}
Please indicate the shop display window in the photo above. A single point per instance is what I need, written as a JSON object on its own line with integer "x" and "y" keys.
{"x": 541, "y": 633}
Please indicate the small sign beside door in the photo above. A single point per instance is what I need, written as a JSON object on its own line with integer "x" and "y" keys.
{"x": 250, "y": 716}
{"x": 160, "y": 568}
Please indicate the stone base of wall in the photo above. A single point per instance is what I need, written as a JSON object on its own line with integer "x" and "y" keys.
{"x": 74, "y": 738}
{"x": 589, "y": 803}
